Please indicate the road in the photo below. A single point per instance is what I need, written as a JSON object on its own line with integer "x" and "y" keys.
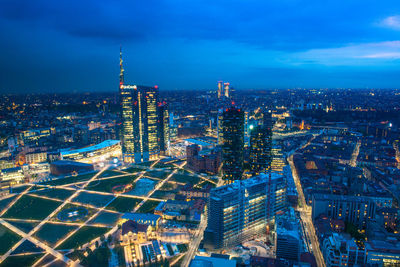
{"x": 396, "y": 148}
{"x": 354, "y": 155}
{"x": 194, "y": 244}
{"x": 305, "y": 214}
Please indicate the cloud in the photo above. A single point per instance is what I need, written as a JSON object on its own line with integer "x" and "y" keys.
{"x": 349, "y": 55}
{"x": 392, "y": 22}
{"x": 393, "y": 55}
{"x": 287, "y": 26}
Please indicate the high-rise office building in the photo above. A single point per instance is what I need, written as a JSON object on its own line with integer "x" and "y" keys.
{"x": 126, "y": 93}
{"x": 226, "y": 90}
{"x": 260, "y": 146}
{"x": 242, "y": 209}
{"x": 220, "y": 89}
{"x": 278, "y": 159}
{"x": 219, "y": 126}
{"x": 163, "y": 129}
{"x": 232, "y": 143}
{"x": 141, "y": 126}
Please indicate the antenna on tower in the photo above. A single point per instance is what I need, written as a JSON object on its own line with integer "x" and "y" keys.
{"x": 121, "y": 68}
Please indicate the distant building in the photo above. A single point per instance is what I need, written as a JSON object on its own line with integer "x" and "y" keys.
{"x": 242, "y": 209}
{"x": 65, "y": 167}
{"x": 232, "y": 144}
{"x": 220, "y": 89}
{"x": 227, "y": 90}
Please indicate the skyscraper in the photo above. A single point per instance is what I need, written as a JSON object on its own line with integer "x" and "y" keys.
{"x": 219, "y": 126}
{"x": 260, "y": 145}
{"x": 232, "y": 143}
{"x": 127, "y": 131}
{"x": 226, "y": 89}
{"x": 147, "y": 146}
{"x": 220, "y": 89}
{"x": 163, "y": 128}
{"x": 127, "y": 115}
{"x": 141, "y": 126}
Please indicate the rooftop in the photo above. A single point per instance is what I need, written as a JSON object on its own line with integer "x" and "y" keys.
{"x": 92, "y": 148}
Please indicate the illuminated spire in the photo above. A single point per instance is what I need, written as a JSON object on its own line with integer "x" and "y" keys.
{"x": 121, "y": 73}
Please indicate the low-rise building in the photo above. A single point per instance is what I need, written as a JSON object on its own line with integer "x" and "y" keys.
{"x": 35, "y": 157}
{"x": 181, "y": 210}
{"x": 65, "y": 167}
{"x": 95, "y": 153}
{"x": 11, "y": 176}
{"x": 341, "y": 250}
{"x": 288, "y": 241}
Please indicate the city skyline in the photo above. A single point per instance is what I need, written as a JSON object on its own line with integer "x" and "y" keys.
{"x": 226, "y": 133}
{"x": 193, "y": 45}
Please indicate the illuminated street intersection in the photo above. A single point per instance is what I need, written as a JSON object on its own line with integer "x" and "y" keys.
{"x": 46, "y": 222}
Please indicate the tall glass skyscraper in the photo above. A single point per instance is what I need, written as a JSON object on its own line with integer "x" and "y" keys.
{"x": 260, "y": 145}
{"x": 232, "y": 144}
{"x": 148, "y": 146}
{"x": 127, "y": 94}
{"x": 163, "y": 129}
{"x": 141, "y": 125}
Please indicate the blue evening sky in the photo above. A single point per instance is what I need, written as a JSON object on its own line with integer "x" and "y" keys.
{"x": 64, "y": 46}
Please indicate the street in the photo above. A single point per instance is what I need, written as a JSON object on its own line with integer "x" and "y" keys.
{"x": 305, "y": 214}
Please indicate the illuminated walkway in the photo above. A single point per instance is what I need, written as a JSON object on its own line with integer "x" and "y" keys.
{"x": 33, "y": 190}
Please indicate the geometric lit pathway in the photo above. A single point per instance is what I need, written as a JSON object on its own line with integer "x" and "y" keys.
{"x": 77, "y": 188}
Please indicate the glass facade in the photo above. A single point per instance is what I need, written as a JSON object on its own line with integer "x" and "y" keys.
{"x": 232, "y": 144}
{"x": 242, "y": 209}
{"x": 141, "y": 125}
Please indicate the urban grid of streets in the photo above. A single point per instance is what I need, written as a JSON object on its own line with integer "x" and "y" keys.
{"x": 81, "y": 188}
{"x": 303, "y": 209}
